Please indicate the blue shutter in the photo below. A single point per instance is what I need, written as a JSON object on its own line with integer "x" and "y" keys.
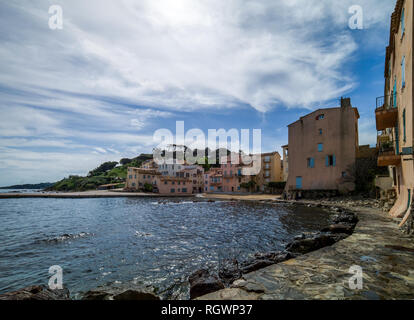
{"x": 405, "y": 128}
{"x": 334, "y": 160}
{"x": 312, "y": 163}
{"x": 327, "y": 161}
{"x": 394, "y": 93}
{"x": 403, "y": 72}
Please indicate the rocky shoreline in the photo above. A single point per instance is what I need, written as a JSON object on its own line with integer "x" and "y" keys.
{"x": 203, "y": 281}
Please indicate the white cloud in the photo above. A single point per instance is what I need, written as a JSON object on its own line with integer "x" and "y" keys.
{"x": 186, "y": 54}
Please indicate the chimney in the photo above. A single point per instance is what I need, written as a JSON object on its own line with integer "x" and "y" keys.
{"x": 346, "y": 103}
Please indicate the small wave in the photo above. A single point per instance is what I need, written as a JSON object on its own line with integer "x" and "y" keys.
{"x": 65, "y": 237}
{"x": 142, "y": 234}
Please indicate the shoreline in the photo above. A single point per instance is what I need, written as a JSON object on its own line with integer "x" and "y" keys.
{"x": 89, "y": 195}
{"x": 376, "y": 245}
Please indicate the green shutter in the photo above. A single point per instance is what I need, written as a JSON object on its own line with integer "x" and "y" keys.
{"x": 334, "y": 160}
{"x": 327, "y": 161}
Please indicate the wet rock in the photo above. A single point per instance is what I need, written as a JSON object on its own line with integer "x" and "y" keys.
{"x": 229, "y": 271}
{"x": 125, "y": 292}
{"x": 37, "y": 293}
{"x": 202, "y": 283}
{"x": 345, "y": 217}
{"x": 311, "y": 243}
{"x": 346, "y": 228}
{"x": 262, "y": 260}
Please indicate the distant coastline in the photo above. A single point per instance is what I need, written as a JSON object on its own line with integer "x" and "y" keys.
{"x": 43, "y": 185}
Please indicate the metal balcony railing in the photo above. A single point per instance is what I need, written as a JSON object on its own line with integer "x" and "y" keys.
{"x": 386, "y": 147}
{"x": 387, "y": 102}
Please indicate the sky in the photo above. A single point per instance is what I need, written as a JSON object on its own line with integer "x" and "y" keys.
{"x": 97, "y": 89}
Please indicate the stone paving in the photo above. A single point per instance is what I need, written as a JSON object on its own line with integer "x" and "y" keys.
{"x": 385, "y": 254}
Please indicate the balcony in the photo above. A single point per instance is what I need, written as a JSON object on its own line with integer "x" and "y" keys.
{"x": 386, "y": 113}
{"x": 387, "y": 155}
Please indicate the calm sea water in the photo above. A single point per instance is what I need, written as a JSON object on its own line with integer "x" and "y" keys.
{"x": 125, "y": 240}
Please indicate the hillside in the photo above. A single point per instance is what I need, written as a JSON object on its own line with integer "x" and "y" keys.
{"x": 106, "y": 173}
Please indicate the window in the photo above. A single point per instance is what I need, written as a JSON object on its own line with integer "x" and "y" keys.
{"x": 184, "y": 190}
{"x": 343, "y": 174}
{"x": 320, "y": 147}
{"x": 172, "y": 190}
{"x": 130, "y": 176}
{"x": 320, "y": 131}
{"x": 330, "y": 161}
{"x": 403, "y": 72}
{"x": 311, "y": 163}
{"x": 402, "y": 23}
{"x": 165, "y": 182}
{"x": 133, "y": 184}
{"x": 320, "y": 117}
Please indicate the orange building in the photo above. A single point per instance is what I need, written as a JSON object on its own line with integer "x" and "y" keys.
{"x": 394, "y": 111}
{"x": 322, "y": 147}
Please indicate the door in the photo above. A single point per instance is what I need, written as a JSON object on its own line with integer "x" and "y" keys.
{"x": 298, "y": 182}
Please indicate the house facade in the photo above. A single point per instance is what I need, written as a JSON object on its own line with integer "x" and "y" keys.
{"x": 322, "y": 148}
{"x": 175, "y": 185}
{"x": 196, "y": 175}
{"x": 270, "y": 170}
{"x": 137, "y": 178}
{"x": 394, "y": 111}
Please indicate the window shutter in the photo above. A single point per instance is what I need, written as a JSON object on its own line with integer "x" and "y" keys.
{"x": 334, "y": 160}
{"x": 403, "y": 72}
{"x": 395, "y": 93}
{"x": 312, "y": 163}
{"x": 327, "y": 161}
{"x": 402, "y": 23}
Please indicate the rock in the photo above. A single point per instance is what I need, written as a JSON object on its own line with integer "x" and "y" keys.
{"x": 346, "y": 217}
{"x": 37, "y": 293}
{"x": 202, "y": 283}
{"x": 346, "y": 228}
{"x": 311, "y": 243}
{"x": 135, "y": 295}
{"x": 229, "y": 271}
{"x": 255, "y": 265}
{"x": 262, "y": 260}
{"x": 130, "y": 292}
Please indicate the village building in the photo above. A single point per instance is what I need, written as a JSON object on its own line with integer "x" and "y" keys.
{"x": 270, "y": 171}
{"x": 194, "y": 173}
{"x": 394, "y": 111}
{"x": 323, "y": 146}
{"x": 141, "y": 179}
{"x": 213, "y": 180}
{"x": 175, "y": 185}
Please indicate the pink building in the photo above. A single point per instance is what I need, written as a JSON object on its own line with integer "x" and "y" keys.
{"x": 213, "y": 180}
{"x": 231, "y": 176}
{"x": 174, "y": 186}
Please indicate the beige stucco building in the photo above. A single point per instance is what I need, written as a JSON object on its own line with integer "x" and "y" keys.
{"x": 137, "y": 178}
{"x": 270, "y": 170}
{"x": 394, "y": 111}
{"x": 322, "y": 148}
